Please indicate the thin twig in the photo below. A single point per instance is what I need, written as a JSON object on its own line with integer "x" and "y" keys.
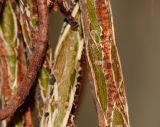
{"x": 6, "y": 90}
{"x": 27, "y": 118}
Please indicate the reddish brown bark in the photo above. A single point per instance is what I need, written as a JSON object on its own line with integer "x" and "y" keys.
{"x": 6, "y": 91}
{"x": 21, "y": 72}
{"x": 27, "y": 118}
{"x": 21, "y": 63}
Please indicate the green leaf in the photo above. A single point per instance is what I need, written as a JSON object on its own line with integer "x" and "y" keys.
{"x": 8, "y": 24}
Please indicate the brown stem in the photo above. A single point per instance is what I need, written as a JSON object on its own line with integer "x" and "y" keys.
{"x": 27, "y": 118}
{"x": 21, "y": 64}
{"x": 35, "y": 64}
{"x": 21, "y": 71}
{"x": 6, "y": 90}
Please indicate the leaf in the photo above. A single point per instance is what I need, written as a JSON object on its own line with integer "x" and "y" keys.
{"x": 104, "y": 62}
{"x": 8, "y": 24}
{"x": 66, "y": 71}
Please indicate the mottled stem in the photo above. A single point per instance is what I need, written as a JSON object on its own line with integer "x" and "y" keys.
{"x": 6, "y": 90}
{"x": 35, "y": 64}
{"x": 104, "y": 62}
{"x": 86, "y": 30}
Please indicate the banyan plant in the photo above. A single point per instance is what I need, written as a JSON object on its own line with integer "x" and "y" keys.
{"x": 39, "y": 88}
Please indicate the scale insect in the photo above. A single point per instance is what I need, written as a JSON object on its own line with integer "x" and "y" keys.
{"x": 66, "y": 11}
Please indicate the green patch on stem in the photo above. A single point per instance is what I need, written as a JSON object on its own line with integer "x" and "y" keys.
{"x": 95, "y": 29}
{"x": 116, "y": 65}
{"x": 117, "y": 119}
{"x": 95, "y": 54}
{"x": 44, "y": 81}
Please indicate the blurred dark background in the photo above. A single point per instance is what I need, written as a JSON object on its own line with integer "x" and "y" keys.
{"x": 137, "y": 27}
